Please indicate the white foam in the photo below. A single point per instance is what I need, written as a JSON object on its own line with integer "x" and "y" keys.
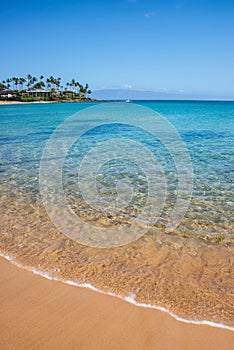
{"x": 130, "y": 298}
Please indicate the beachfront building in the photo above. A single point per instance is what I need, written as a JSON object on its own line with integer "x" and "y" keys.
{"x": 41, "y": 93}
{"x": 6, "y": 94}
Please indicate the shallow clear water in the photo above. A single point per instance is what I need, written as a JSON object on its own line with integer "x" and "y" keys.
{"x": 207, "y": 128}
{"x": 189, "y": 271}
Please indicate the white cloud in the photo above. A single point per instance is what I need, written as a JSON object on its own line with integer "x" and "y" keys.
{"x": 149, "y": 14}
{"x": 162, "y": 89}
{"x": 127, "y": 86}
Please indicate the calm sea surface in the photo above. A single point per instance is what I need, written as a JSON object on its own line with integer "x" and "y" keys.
{"x": 153, "y": 268}
{"x": 207, "y": 129}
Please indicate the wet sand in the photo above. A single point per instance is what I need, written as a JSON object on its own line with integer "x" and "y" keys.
{"x": 190, "y": 276}
{"x": 22, "y": 103}
{"x": 11, "y": 102}
{"x": 37, "y": 313}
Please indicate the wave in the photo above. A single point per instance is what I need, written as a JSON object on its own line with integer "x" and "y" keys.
{"x": 130, "y": 298}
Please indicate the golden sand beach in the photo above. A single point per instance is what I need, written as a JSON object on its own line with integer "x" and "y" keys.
{"x": 37, "y": 313}
{"x": 22, "y": 103}
{"x": 11, "y": 102}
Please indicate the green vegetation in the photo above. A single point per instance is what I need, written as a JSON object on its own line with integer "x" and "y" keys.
{"x": 31, "y": 89}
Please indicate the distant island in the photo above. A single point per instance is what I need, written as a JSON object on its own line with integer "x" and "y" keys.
{"x": 134, "y": 94}
{"x": 32, "y": 89}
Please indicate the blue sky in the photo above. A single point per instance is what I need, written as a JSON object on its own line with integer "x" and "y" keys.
{"x": 169, "y": 45}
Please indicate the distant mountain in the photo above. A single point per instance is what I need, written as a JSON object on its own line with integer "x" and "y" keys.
{"x": 123, "y": 94}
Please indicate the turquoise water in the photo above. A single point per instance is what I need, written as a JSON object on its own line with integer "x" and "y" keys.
{"x": 188, "y": 271}
{"x": 207, "y": 129}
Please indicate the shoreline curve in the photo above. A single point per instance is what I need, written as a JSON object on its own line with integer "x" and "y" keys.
{"x": 130, "y": 298}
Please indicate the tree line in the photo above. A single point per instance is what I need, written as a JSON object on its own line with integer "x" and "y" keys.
{"x": 53, "y": 84}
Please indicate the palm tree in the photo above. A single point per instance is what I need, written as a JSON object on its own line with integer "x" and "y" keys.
{"x": 73, "y": 83}
{"x": 21, "y": 82}
{"x": 52, "y": 80}
{"x": 16, "y": 83}
{"x": 48, "y": 83}
{"x": 2, "y": 85}
{"x": 13, "y": 83}
{"x": 75, "y": 86}
{"x": 86, "y": 88}
{"x": 29, "y": 78}
{"x": 58, "y": 82}
{"x": 33, "y": 80}
{"x": 39, "y": 85}
{"x": 9, "y": 80}
{"x": 82, "y": 89}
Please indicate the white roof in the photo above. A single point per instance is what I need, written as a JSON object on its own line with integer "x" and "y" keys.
{"x": 38, "y": 90}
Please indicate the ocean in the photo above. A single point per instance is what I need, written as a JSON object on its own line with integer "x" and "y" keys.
{"x": 131, "y": 198}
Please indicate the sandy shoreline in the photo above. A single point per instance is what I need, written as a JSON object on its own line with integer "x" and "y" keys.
{"x": 42, "y": 102}
{"x": 12, "y": 102}
{"x": 23, "y": 103}
{"x": 40, "y": 314}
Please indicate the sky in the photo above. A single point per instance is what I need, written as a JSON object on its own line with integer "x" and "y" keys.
{"x": 184, "y": 46}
